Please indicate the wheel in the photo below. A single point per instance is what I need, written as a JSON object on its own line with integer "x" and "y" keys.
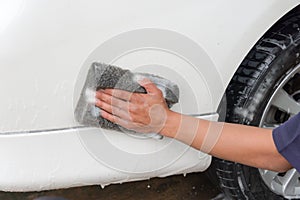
{"x": 265, "y": 92}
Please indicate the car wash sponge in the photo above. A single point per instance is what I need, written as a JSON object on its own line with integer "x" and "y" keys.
{"x": 102, "y": 76}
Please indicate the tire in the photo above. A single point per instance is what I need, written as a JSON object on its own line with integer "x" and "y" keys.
{"x": 248, "y": 96}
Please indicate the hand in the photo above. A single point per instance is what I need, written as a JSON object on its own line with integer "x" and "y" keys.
{"x": 146, "y": 113}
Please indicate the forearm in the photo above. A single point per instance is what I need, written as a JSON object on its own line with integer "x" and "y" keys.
{"x": 244, "y": 144}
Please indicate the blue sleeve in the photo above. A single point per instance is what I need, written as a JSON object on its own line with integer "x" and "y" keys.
{"x": 287, "y": 141}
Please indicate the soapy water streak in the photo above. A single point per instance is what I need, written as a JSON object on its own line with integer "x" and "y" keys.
{"x": 182, "y": 47}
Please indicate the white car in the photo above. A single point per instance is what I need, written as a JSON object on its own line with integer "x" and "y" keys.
{"x": 233, "y": 60}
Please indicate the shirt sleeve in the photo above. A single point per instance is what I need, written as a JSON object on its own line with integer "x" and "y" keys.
{"x": 287, "y": 140}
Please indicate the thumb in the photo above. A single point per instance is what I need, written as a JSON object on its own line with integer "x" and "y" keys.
{"x": 149, "y": 86}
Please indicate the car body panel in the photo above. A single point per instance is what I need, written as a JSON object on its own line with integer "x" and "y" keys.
{"x": 57, "y": 159}
{"x": 62, "y": 158}
{"x": 47, "y": 47}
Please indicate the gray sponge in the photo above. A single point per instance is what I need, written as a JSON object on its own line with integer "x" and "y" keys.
{"x": 101, "y": 76}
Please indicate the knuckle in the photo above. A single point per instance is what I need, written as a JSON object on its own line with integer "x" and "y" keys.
{"x": 159, "y": 92}
{"x": 133, "y": 98}
{"x": 114, "y": 111}
{"x": 113, "y": 100}
{"x": 131, "y": 118}
{"x": 141, "y": 100}
{"x": 106, "y": 99}
{"x": 132, "y": 108}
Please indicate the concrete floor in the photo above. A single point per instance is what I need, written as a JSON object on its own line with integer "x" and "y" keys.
{"x": 194, "y": 186}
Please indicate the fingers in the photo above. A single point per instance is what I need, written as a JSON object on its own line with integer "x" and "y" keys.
{"x": 124, "y": 123}
{"x": 134, "y": 111}
{"x": 111, "y": 100}
{"x": 120, "y": 94}
{"x": 128, "y": 111}
{"x": 149, "y": 86}
{"x": 114, "y": 118}
{"x": 128, "y": 124}
{"x": 113, "y": 110}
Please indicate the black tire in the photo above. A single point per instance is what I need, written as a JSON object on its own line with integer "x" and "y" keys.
{"x": 264, "y": 67}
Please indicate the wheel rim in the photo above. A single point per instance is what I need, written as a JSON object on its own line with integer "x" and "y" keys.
{"x": 284, "y": 103}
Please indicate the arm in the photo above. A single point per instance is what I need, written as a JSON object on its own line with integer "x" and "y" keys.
{"x": 149, "y": 113}
{"x": 238, "y": 143}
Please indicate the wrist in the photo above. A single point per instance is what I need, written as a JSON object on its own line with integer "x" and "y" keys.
{"x": 171, "y": 124}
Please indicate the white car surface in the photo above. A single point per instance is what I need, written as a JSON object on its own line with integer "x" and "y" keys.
{"x": 46, "y": 48}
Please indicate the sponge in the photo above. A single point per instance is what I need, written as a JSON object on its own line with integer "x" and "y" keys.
{"x": 102, "y": 76}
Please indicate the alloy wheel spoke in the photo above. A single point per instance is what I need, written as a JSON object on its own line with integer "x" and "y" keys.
{"x": 290, "y": 182}
{"x": 285, "y": 184}
{"x": 285, "y": 102}
{"x": 270, "y": 125}
{"x": 269, "y": 176}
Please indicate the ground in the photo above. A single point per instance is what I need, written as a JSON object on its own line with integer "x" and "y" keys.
{"x": 193, "y": 186}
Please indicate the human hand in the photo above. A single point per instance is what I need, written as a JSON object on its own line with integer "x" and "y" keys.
{"x": 145, "y": 113}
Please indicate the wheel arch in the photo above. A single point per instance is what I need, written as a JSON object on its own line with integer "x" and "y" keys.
{"x": 291, "y": 22}
{"x": 221, "y": 110}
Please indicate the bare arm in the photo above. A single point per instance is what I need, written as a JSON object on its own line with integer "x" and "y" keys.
{"x": 238, "y": 143}
{"x": 149, "y": 113}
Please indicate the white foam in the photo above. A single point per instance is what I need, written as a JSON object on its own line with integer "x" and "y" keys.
{"x": 90, "y": 96}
